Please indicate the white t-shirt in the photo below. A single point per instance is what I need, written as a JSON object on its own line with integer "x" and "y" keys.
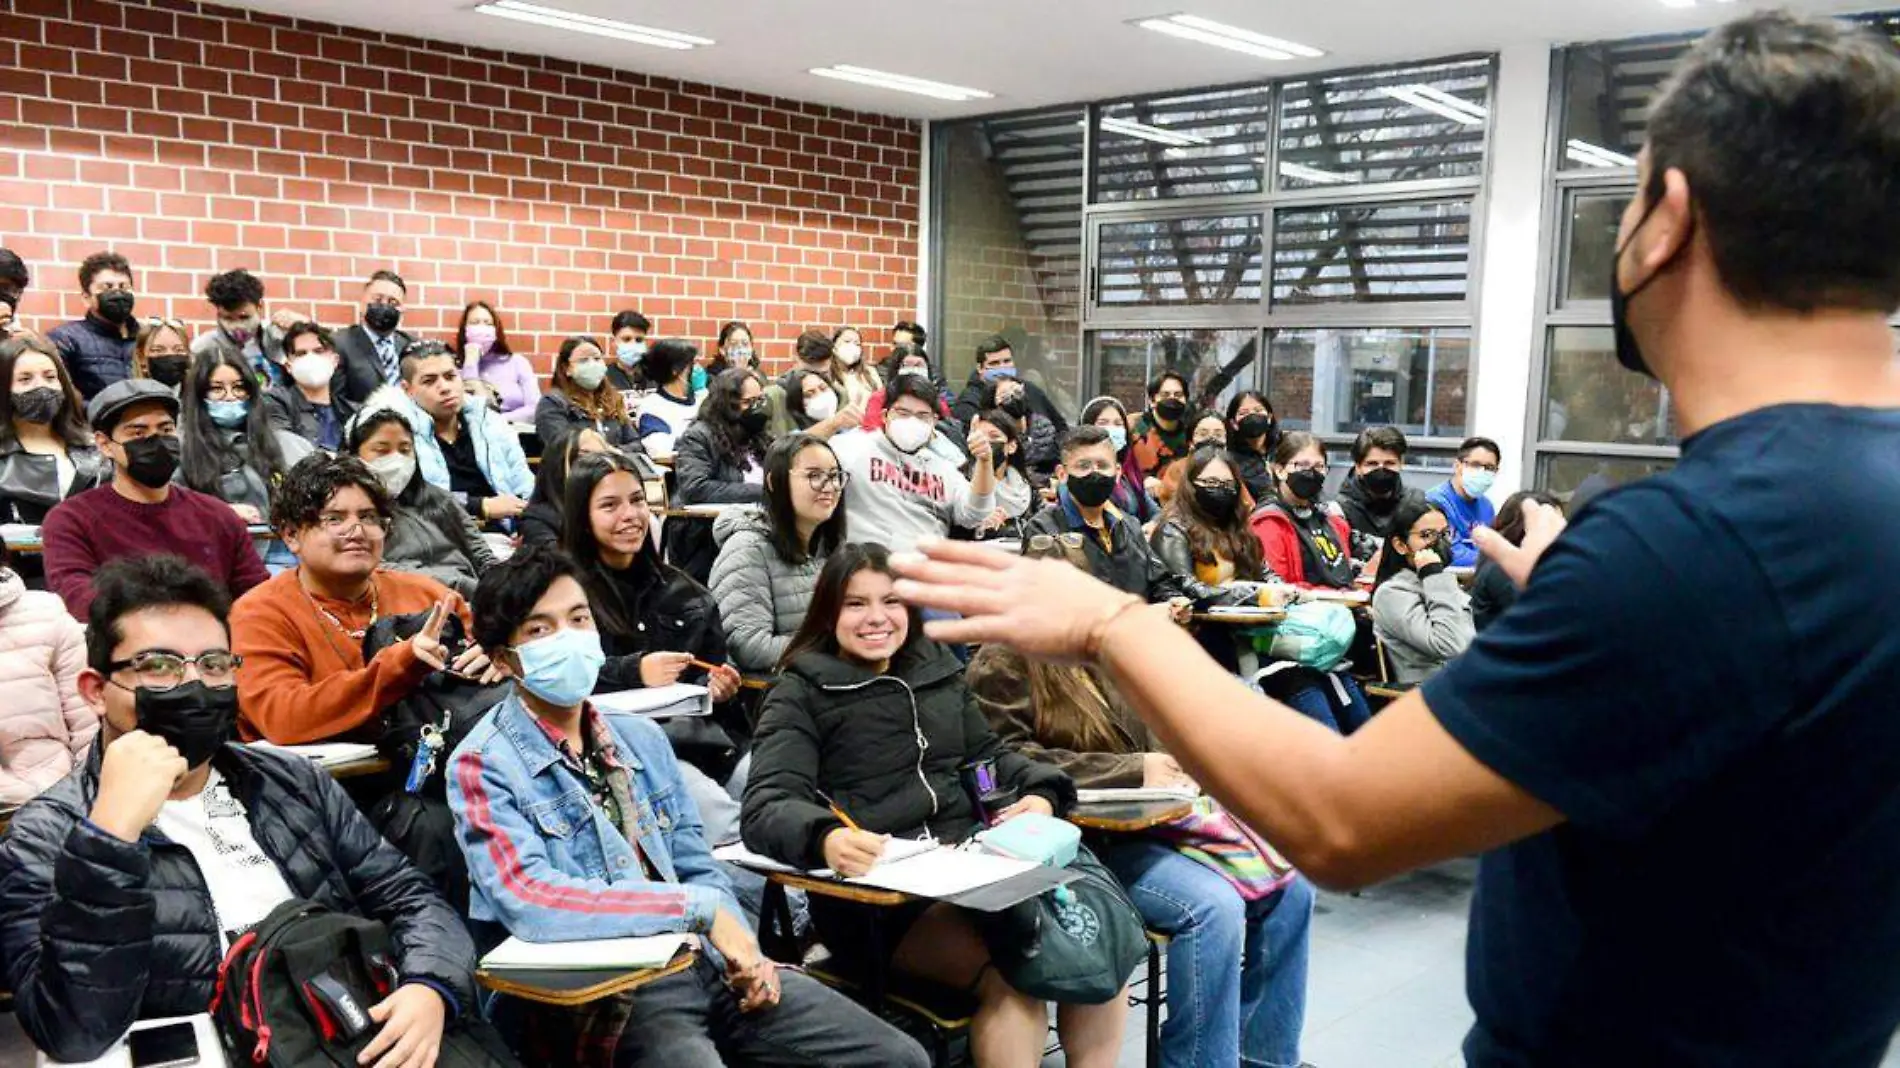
{"x": 663, "y": 419}
{"x": 244, "y": 882}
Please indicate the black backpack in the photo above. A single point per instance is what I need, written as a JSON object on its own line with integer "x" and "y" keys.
{"x": 295, "y": 992}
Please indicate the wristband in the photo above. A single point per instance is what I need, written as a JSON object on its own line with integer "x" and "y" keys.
{"x": 1092, "y": 646}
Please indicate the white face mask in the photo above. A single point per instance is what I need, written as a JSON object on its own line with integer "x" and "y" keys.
{"x": 821, "y": 405}
{"x": 312, "y": 369}
{"x": 395, "y": 469}
{"x": 908, "y": 434}
{"x": 849, "y": 352}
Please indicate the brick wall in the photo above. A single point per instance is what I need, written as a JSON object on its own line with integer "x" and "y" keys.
{"x": 194, "y": 139}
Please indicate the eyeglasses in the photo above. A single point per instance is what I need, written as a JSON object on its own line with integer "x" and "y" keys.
{"x": 236, "y": 392}
{"x": 160, "y": 322}
{"x": 825, "y": 479}
{"x": 1290, "y": 468}
{"x": 1216, "y": 484}
{"x": 1042, "y": 543}
{"x": 1475, "y": 466}
{"x": 337, "y": 524}
{"x": 160, "y": 670}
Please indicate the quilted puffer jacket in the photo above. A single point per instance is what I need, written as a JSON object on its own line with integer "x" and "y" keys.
{"x": 45, "y": 726}
{"x": 762, "y": 599}
{"x": 97, "y": 932}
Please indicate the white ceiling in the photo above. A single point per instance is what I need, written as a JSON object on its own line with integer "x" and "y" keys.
{"x": 1027, "y": 52}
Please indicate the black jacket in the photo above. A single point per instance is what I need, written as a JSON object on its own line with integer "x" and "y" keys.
{"x": 706, "y": 476}
{"x": 1369, "y": 517}
{"x": 1492, "y": 594}
{"x": 97, "y": 353}
{"x": 29, "y": 484}
{"x": 1171, "y": 545}
{"x": 1254, "y": 473}
{"x": 290, "y": 410}
{"x": 96, "y": 932}
{"x": 362, "y": 370}
{"x": 1131, "y": 566}
{"x": 1041, "y": 442}
{"x": 886, "y": 748}
{"x": 555, "y": 417}
{"x": 541, "y": 524}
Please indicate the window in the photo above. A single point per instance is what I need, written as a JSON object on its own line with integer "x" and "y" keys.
{"x": 1217, "y": 363}
{"x": 1392, "y": 125}
{"x": 1371, "y": 253}
{"x": 1588, "y": 396}
{"x": 1182, "y": 146}
{"x": 1192, "y": 261}
{"x": 1338, "y": 382}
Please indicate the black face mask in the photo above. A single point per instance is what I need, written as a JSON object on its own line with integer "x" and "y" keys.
{"x": 382, "y": 318}
{"x": 752, "y": 420}
{"x": 1217, "y": 501}
{"x": 1091, "y": 490}
{"x": 1257, "y": 425}
{"x": 169, "y": 370}
{"x": 1306, "y": 485}
{"x": 151, "y": 461}
{"x": 1171, "y": 409}
{"x": 115, "y": 307}
{"x": 37, "y": 405}
{"x": 1628, "y": 352}
{"x": 1381, "y": 481}
{"x": 193, "y": 718}
{"x": 1015, "y": 406}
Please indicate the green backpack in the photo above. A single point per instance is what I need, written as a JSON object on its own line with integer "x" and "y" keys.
{"x": 1314, "y": 634}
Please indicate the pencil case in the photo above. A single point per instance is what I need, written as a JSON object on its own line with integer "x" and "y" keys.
{"x": 1035, "y": 837}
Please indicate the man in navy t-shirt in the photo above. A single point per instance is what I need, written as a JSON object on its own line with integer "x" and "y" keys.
{"x": 1681, "y": 747}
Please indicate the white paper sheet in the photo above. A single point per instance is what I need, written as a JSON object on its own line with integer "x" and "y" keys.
{"x": 895, "y": 850}
{"x": 1137, "y": 793}
{"x": 593, "y": 954}
{"x": 327, "y": 754}
{"x": 658, "y": 702}
{"x": 941, "y": 873}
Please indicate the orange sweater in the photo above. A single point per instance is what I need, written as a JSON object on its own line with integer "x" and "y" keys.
{"x": 304, "y": 680}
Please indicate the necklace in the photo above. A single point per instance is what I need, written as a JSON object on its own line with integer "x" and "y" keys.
{"x": 353, "y": 635}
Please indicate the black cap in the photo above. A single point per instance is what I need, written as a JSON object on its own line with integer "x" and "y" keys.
{"x": 104, "y": 410}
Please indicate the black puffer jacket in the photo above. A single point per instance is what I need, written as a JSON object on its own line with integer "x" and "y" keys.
{"x": 97, "y": 932}
{"x": 887, "y": 748}
{"x": 1371, "y": 517}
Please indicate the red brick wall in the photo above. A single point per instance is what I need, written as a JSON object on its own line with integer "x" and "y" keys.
{"x": 194, "y": 139}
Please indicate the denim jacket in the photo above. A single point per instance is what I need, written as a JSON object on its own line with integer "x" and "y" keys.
{"x": 545, "y": 863}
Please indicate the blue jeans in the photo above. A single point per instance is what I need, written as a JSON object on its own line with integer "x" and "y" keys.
{"x": 1319, "y": 703}
{"x": 1236, "y": 968}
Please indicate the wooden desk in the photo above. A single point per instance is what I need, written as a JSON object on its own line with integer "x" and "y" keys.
{"x": 372, "y": 765}
{"x": 1128, "y": 817}
{"x": 570, "y": 988}
{"x": 1253, "y": 617}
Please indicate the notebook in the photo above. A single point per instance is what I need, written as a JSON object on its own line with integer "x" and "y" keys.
{"x": 326, "y": 754}
{"x": 596, "y": 954}
{"x": 921, "y": 868}
{"x": 1136, "y": 793}
{"x": 658, "y": 702}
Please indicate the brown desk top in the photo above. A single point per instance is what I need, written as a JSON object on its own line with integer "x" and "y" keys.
{"x": 1128, "y": 817}
{"x": 569, "y": 988}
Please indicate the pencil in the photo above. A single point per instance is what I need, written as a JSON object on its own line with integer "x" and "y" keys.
{"x": 744, "y": 683}
{"x": 840, "y": 813}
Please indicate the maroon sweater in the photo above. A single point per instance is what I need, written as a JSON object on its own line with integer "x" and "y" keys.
{"x": 98, "y": 525}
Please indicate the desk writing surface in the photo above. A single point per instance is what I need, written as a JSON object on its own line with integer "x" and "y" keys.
{"x": 1125, "y": 817}
{"x": 569, "y": 987}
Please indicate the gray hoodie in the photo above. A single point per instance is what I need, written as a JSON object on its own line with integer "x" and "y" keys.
{"x": 895, "y": 498}
{"x": 1423, "y": 622}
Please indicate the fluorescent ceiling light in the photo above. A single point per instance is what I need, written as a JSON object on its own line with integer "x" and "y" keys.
{"x": 1595, "y": 155}
{"x": 1131, "y": 128}
{"x": 520, "y": 11}
{"x": 1691, "y": 3}
{"x": 1301, "y": 172}
{"x": 1233, "y": 38}
{"x": 903, "y": 83}
{"x": 1438, "y": 102}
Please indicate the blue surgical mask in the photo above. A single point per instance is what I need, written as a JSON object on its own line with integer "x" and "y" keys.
{"x": 229, "y": 414}
{"x": 1478, "y": 483}
{"x": 1117, "y": 436}
{"x": 561, "y": 668}
{"x": 630, "y": 353}
{"x": 995, "y": 373}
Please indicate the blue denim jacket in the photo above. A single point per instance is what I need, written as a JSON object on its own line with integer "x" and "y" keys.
{"x": 546, "y": 864}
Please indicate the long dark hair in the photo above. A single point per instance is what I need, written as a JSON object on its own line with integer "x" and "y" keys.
{"x": 795, "y": 394}
{"x": 70, "y": 423}
{"x": 719, "y": 363}
{"x": 1012, "y": 430}
{"x": 557, "y": 459}
{"x": 1235, "y": 441}
{"x": 1411, "y": 509}
{"x": 438, "y": 509}
{"x": 1510, "y": 519}
{"x": 1210, "y": 538}
{"x": 778, "y": 502}
{"x": 577, "y": 538}
{"x": 719, "y": 414}
{"x": 461, "y": 330}
{"x": 819, "y": 632}
{"x": 670, "y": 358}
{"x": 204, "y": 456}
{"x": 604, "y": 404}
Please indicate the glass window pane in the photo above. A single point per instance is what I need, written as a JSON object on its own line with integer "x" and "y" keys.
{"x": 1589, "y": 397}
{"x": 1607, "y": 89}
{"x": 1368, "y": 254}
{"x": 1178, "y": 262}
{"x": 1590, "y": 244}
{"x": 1183, "y": 146}
{"x": 1342, "y": 381}
{"x": 1576, "y": 479}
{"x": 1218, "y": 363}
{"x": 1010, "y": 231}
{"x": 1393, "y": 125}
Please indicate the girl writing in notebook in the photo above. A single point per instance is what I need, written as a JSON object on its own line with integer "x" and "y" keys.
{"x": 871, "y": 724}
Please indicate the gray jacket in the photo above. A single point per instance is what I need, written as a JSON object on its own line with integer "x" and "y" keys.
{"x": 762, "y": 599}
{"x": 1423, "y": 622}
{"x": 421, "y": 541}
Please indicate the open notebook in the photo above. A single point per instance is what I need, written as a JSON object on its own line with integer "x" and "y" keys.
{"x": 921, "y": 868}
{"x": 597, "y": 954}
{"x": 658, "y": 702}
{"x": 327, "y": 754}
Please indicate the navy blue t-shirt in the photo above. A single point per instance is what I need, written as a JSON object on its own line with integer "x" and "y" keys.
{"x": 1703, "y": 676}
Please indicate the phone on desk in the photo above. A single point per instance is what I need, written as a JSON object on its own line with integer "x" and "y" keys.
{"x": 171, "y": 1046}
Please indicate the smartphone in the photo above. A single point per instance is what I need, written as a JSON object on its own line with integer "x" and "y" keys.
{"x": 170, "y": 1046}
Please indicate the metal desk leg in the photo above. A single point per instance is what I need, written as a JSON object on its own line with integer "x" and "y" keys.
{"x": 1154, "y": 1005}
{"x": 777, "y": 936}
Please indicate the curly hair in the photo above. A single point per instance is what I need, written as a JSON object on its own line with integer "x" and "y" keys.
{"x": 719, "y": 413}
{"x": 234, "y": 289}
{"x": 316, "y": 479}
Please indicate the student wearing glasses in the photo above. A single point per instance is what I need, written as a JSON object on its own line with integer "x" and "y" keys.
{"x": 769, "y": 562}
{"x": 1305, "y": 539}
{"x": 1418, "y": 609}
{"x": 1463, "y": 499}
{"x": 301, "y": 633}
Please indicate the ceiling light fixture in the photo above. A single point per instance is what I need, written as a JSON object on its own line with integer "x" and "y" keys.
{"x": 1233, "y": 38}
{"x": 1131, "y": 128}
{"x": 520, "y": 11}
{"x": 902, "y": 83}
{"x": 1691, "y": 3}
{"x": 1438, "y": 102}
{"x": 1595, "y": 155}
{"x": 1301, "y": 172}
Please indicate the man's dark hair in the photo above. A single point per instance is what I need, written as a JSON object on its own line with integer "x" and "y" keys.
{"x": 234, "y": 289}
{"x": 1155, "y": 383}
{"x": 1788, "y": 129}
{"x": 391, "y": 277}
{"x": 1470, "y": 445}
{"x": 989, "y": 346}
{"x": 913, "y": 386}
{"x": 14, "y": 277}
{"x": 1082, "y": 437}
{"x": 918, "y": 334}
{"x": 298, "y": 330}
{"x": 1389, "y": 438}
{"x": 633, "y": 319}
{"x": 307, "y": 488}
{"x": 90, "y": 267}
{"x": 507, "y": 592}
{"x": 130, "y": 584}
{"x": 813, "y": 346}
{"x": 415, "y": 353}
